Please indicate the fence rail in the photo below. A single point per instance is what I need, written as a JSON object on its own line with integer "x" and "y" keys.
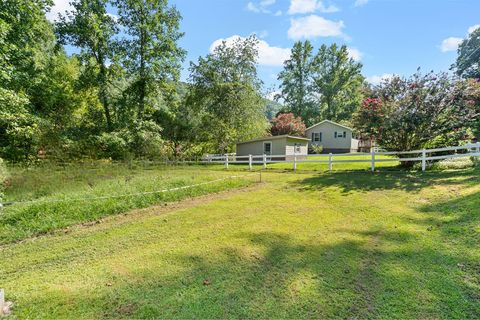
{"x": 424, "y": 155}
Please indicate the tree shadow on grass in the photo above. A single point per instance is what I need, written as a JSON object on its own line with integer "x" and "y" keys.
{"x": 387, "y": 180}
{"x": 279, "y": 276}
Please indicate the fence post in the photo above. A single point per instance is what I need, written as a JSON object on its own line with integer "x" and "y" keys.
{"x": 373, "y": 160}
{"x": 264, "y": 161}
{"x": 476, "y": 150}
{"x": 330, "y": 162}
{"x": 250, "y": 162}
{"x": 424, "y": 160}
{"x": 226, "y": 161}
{"x": 2, "y": 301}
{"x": 295, "y": 162}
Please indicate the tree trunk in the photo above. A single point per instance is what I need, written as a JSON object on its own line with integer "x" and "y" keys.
{"x": 103, "y": 96}
{"x": 142, "y": 81}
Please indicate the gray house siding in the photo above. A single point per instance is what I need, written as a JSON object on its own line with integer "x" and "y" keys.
{"x": 280, "y": 145}
{"x": 335, "y": 138}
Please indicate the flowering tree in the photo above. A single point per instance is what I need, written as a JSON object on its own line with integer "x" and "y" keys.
{"x": 422, "y": 111}
{"x": 287, "y": 123}
{"x": 371, "y": 116}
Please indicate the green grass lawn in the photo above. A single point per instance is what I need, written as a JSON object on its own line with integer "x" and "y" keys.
{"x": 64, "y": 196}
{"x": 305, "y": 245}
{"x": 339, "y": 166}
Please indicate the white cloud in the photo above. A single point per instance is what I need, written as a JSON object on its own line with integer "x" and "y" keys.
{"x": 261, "y": 7}
{"x": 59, "y": 6}
{"x": 315, "y": 26}
{"x": 450, "y": 44}
{"x": 359, "y": 3}
{"x": 355, "y": 54}
{"x": 309, "y": 6}
{"x": 473, "y": 28}
{"x": 252, "y": 7}
{"x": 377, "y": 79}
{"x": 267, "y": 55}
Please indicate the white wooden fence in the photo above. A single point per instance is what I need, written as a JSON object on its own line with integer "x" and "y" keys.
{"x": 470, "y": 150}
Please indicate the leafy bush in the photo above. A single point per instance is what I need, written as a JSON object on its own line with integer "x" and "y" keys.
{"x": 423, "y": 110}
{"x": 143, "y": 139}
{"x": 113, "y": 145}
{"x": 317, "y": 148}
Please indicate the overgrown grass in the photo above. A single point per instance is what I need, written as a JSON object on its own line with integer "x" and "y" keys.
{"x": 311, "y": 245}
{"x": 63, "y": 196}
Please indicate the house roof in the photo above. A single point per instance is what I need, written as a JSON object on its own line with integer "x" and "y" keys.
{"x": 321, "y": 122}
{"x": 274, "y": 138}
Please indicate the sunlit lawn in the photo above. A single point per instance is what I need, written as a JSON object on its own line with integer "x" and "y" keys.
{"x": 311, "y": 245}
{"x": 57, "y": 197}
{"x": 342, "y": 163}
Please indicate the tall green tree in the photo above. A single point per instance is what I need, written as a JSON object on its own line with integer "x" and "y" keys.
{"x": 26, "y": 43}
{"x": 296, "y": 82}
{"x": 225, "y": 93}
{"x": 337, "y": 81}
{"x": 149, "y": 50}
{"x": 90, "y": 28}
{"x": 468, "y": 60}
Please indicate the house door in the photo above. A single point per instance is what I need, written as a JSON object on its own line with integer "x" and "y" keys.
{"x": 267, "y": 148}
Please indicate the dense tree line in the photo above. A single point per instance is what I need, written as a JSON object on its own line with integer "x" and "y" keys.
{"x": 120, "y": 95}
{"x": 325, "y": 85}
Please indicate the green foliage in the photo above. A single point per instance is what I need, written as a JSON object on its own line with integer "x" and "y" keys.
{"x": 273, "y": 108}
{"x": 149, "y": 51}
{"x": 225, "y": 94}
{"x": 327, "y": 85}
{"x": 468, "y": 60}
{"x": 413, "y": 113}
{"x": 296, "y": 83}
{"x": 19, "y": 129}
{"x": 91, "y": 29}
{"x": 337, "y": 79}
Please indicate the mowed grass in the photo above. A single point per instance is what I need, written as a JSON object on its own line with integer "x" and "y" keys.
{"x": 305, "y": 245}
{"x": 342, "y": 163}
{"x": 50, "y": 198}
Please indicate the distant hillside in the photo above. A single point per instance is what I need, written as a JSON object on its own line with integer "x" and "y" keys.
{"x": 273, "y": 108}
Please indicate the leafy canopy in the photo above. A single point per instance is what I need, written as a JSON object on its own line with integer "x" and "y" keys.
{"x": 423, "y": 110}
{"x": 225, "y": 93}
{"x": 468, "y": 60}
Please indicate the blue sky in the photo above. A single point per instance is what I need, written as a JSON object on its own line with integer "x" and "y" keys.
{"x": 387, "y": 36}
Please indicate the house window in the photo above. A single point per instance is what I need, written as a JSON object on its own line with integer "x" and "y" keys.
{"x": 316, "y": 137}
{"x": 340, "y": 134}
{"x": 267, "y": 148}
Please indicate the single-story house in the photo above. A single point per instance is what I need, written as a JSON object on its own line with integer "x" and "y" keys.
{"x": 332, "y": 136}
{"x": 285, "y": 145}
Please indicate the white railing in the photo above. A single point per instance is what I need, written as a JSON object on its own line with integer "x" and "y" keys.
{"x": 472, "y": 150}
